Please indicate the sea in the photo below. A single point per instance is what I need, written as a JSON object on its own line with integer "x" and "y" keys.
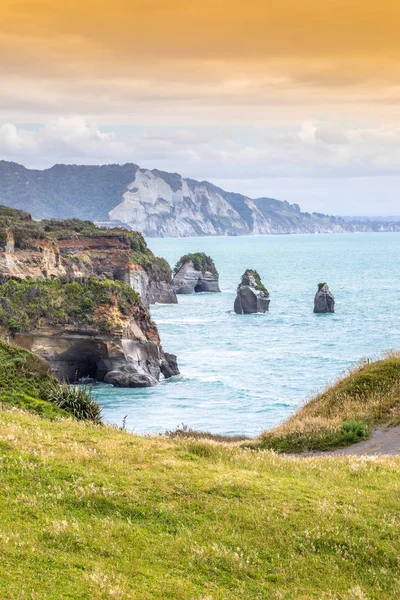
{"x": 241, "y": 374}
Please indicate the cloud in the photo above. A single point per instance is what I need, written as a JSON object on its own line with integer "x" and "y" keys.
{"x": 70, "y": 139}
{"x": 309, "y": 150}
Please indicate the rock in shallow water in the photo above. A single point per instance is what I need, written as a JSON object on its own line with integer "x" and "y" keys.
{"x": 196, "y": 273}
{"x": 252, "y": 297}
{"x": 324, "y": 301}
{"x": 129, "y": 379}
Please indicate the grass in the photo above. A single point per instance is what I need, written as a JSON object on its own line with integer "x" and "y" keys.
{"x": 345, "y": 413}
{"x": 97, "y": 513}
{"x": 93, "y": 513}
{"x": 25, "y": 380}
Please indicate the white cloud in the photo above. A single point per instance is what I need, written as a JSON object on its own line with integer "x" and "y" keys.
{"x": 256, "y": 162}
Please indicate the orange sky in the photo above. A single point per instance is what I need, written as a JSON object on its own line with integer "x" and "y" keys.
{"x": 304, "y": 65}
{"x": 317, "y": 42}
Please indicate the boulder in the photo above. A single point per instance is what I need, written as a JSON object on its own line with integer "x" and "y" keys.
{"x": 169, "y": 365}
{"x": 196, "y": 273}
{"x": 252, "y": 296}
{"x": 129, "y": 379}
{"x": 324, "y": 301}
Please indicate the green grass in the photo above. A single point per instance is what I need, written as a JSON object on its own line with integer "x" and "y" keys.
{"x": 25, "y": 380}
{"x": 344, "y": 414}
{"x": 92, "y": 512}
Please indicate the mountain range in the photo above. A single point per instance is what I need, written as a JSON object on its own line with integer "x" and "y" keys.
{"x": 157, "y": 203}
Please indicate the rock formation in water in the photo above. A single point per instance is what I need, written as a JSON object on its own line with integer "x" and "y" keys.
{"x": 252, "y": 296}
{"x": 324, "y": 301}
{"x": 195, "y": 273}
{"x": 75, "y": 249}
{"x": 93, "y": 328}
{"x": 158, "y": 203}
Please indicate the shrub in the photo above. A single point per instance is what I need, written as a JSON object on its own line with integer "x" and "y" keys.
{"x": 77, "y": 400}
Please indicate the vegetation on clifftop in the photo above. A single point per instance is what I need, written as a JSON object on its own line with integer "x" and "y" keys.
{"x": 201, "y": 262}
{"x": 92, "y": 302}
{"x": 344, "y": 413}
{"x": 251, "y": 273}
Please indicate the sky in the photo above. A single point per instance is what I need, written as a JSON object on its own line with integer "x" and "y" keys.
{"x": 293, "y": 99}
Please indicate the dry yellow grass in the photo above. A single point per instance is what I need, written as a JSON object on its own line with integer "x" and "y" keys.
{"x": 368, "y": 394}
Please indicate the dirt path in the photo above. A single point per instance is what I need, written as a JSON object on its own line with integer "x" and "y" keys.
{"x": 383, "y": 440}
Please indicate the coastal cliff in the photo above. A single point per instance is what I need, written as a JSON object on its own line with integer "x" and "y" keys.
{"x": 159, "y": 204}
{"x": 76, "y": 249}
{"x": 93, "y": 328}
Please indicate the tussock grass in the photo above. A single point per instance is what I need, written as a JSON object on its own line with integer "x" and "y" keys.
{"x": 367, "y": 395}
{"x": 97, "y": 513}
{"x": 183, "y": 431}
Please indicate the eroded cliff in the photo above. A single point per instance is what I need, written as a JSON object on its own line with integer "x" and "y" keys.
{"x": 91, "y": 328}
{"x": 76, "y": 249}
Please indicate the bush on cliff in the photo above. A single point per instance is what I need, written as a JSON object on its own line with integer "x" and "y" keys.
{"x": 201, "y": 262}
{"x": 26, "y": 382}
{"x": 344, "y": 413}
{"x": 254, "y": 274}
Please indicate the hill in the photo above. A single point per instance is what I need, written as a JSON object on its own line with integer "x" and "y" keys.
{"x": 345, "y": 413}
{"x": 157, "y": 203}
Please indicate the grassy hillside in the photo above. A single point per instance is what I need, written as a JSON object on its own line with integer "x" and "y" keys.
{"x": 25, "y": 380}
{"x": 93, "y": 512}
{"x": 96, "y": 513}
{"x": 344, "y": 413}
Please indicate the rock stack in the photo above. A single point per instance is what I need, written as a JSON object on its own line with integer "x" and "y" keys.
{"x": 324, "y": 301}
{"x": 195, "y": 273}
{"x": 252, "y": 295}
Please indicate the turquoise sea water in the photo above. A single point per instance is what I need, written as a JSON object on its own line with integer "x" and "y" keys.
{"x": 244, "y": 373}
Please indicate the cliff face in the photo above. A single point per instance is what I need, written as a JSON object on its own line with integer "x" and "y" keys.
{"x": 92, "y": 328}
{"x": 158, "y": 203}
{"x": 76, "y": 249}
